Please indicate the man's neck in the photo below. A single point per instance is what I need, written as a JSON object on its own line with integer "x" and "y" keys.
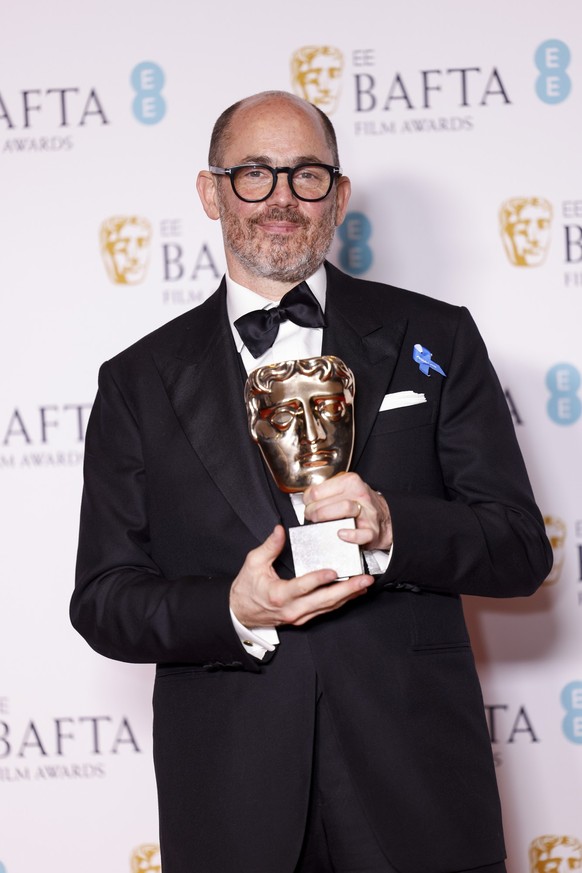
{"x": 264, "y": 286}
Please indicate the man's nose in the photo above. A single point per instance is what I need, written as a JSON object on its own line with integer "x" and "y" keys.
{"x": 282, "y": 195}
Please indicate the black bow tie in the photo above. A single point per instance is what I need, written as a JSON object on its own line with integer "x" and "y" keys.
{"x": 259, "y": 329}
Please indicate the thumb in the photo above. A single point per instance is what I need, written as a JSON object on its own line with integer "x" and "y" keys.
{"x": 273, "y": 545}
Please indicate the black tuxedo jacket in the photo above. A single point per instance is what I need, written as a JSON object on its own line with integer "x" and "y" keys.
{"x": 175, "y": 496}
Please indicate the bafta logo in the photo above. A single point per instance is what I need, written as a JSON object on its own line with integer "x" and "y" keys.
{"x": 125, "y": 248}
{"x": 554, "y": 854}
{"x": 556, "y": 533}
{"x": 525, "y": 224}
{"x": 146, "y": 859}
{"x": 316, "y": 75}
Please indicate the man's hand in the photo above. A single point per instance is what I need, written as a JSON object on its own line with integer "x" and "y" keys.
{"x": 347, "y": 496}
{"x": 259, "y": 598}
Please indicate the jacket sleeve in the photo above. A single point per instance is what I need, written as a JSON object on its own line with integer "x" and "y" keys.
{"x": 486, "y": 536}
{"x": 122, "y": 604}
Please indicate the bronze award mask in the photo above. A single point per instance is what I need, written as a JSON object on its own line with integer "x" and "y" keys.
{"x": 301, "y": 415}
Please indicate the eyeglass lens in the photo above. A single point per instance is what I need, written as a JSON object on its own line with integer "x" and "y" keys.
{"x": 309, "y": 182}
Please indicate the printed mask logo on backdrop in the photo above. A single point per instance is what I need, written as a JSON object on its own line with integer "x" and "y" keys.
{"x": 563, "y": 382}
{"x": 396, "y": 101}
{"x": 355, "y": 254}
{"x": 316, "y": 72}
{"x": 125, "y": 247}
{"x": 556, "y": 533}
{"x": 146, "y": 859}
{"x": 126, "y": 243}
{"x": 148, "y": 80}
{"x": 555, "y": 854}
{"x": 552, "y": 58}
{"x": 525, "y": 225}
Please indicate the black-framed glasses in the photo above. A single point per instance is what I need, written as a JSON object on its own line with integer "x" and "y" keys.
{"x": 255, "y": 182}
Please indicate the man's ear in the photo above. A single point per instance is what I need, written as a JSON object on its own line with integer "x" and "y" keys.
{"x": 206, "y": 187}
{"x": 343, "y": 191}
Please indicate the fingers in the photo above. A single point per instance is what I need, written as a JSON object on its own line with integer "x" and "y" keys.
{"x": 324, "y": 598}
{"x": 348, "y": 496}
{"x": 259, "y": 598}
{"x": 272, "y": 547}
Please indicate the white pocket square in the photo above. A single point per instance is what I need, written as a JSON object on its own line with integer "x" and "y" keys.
{"x": 401, "y": 398}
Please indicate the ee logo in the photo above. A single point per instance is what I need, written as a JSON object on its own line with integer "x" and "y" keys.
{"x": 571, "y": 699}
{"x": 563, "y": 383}
{"x": 355, "y": 254}
{"x": 147, "y": 80}
{"x": 552, "y": 59}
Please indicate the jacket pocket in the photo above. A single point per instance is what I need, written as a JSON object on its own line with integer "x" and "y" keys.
{"x": 404, "y": 418}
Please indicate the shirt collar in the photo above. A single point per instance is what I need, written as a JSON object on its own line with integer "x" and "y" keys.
{"x": 240, "y": 300}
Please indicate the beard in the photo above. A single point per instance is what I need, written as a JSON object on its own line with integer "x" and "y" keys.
{"x": 281, "y": 257}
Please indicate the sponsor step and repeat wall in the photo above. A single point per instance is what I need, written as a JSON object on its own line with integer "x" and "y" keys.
{"x": 459, "y": 125}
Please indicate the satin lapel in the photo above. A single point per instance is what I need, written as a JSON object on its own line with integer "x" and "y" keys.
{"x": 368, "y": 342}
{"x": 205, "y": 388}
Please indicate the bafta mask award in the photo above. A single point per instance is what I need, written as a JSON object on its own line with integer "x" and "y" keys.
{"x": 301, "y": 415}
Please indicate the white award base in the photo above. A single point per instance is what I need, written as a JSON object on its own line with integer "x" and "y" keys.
{"x": 318, "y": 547}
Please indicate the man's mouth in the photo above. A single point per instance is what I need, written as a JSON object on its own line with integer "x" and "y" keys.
{"x": 279, "y": 221}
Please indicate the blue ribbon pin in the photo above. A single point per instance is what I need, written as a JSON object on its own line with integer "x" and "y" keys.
{"x": 423, "y": 358}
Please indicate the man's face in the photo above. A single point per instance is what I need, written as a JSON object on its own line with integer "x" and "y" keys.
{"x": 282, "y": 238}
{"x": 529, "y": 232}
{"x": 305, "y": 430}
{"x": 318, "y": 80}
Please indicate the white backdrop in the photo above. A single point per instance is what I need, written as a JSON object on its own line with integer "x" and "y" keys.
{"x": 444, "y": 113}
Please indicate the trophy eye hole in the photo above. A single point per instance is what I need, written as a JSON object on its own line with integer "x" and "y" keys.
{"x": 281, "y": 419}
{"x": 332, "y": 408}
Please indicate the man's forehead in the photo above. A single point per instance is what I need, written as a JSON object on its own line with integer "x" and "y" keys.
{"x": 274, "y": 123}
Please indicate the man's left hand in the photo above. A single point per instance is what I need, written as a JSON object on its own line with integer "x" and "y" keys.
{"x": 347, "y": 496}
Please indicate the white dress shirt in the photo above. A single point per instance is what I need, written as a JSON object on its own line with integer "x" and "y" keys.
{"x": 292, "y": 342}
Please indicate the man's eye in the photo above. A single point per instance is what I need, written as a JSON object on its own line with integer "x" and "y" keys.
{"x": 254, "y": 174}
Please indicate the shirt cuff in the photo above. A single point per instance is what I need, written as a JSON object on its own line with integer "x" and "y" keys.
{"x": 257, "y": 641}
{"x": 378, "y": 560}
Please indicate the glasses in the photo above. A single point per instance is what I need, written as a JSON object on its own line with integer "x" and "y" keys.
{"x": 255, "y": 182}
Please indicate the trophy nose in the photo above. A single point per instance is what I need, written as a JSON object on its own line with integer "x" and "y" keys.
{"x": 313, "y": 429}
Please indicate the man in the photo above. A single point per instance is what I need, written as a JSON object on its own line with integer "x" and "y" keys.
{"x": 306, "y": 724}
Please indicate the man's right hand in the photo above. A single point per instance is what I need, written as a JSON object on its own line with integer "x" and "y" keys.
{"x": 260, "y": 598}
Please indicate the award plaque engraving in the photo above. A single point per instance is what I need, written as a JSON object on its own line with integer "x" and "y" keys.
{"x": 301, "y": 415}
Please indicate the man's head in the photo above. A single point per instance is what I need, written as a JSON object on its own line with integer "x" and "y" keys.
{"x": 278, "y": 241}
{"x": 301, "y": 415}
{"x": 316, "y": 74}
{"x": 125, "y": 244}
{"x": 554, "y": 854}
{"x": 525, "y": 229}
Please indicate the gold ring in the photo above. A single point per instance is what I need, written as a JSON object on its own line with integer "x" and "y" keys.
{"x": 357, "y": 515}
